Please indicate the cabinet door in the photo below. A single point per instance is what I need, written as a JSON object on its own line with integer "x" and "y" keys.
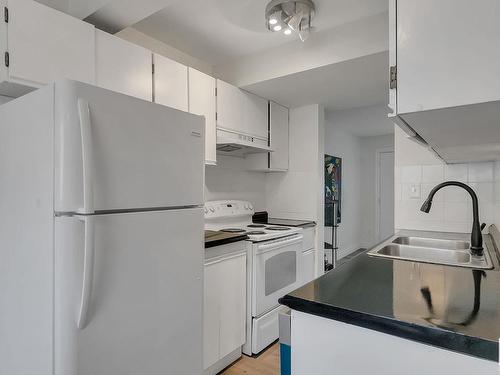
{"x": 255, "y": 115}
{"x": 230, "y": 107}
{"x": 232, "y": 292}
{"x": 46, "y": 45}
{"x": 123, "y": 67}
{"x": 170, "y": 83}
{"x": 447, "y": 53}
{"x": 279, "y": 136}
{"x": 202, "y": 102}
{"x": 211, "y": 322}
{"x": 307, "y": 266}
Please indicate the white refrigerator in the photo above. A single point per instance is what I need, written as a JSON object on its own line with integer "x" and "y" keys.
{"x": 101, "y": 235}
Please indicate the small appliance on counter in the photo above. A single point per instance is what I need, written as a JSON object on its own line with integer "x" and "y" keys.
{"x": 273, "y": 269}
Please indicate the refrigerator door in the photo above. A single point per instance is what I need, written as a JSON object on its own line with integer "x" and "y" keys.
{"x": 143, "y": 311}
{"x": 115, "y": 152}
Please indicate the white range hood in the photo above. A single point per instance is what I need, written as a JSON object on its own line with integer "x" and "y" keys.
{"x": 237, "y": 144}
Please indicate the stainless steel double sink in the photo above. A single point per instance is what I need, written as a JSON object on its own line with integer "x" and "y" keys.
{"x": 432, "y": 250}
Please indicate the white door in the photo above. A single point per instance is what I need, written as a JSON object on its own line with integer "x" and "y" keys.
{"x": 446, "y": 53}
{"x": 143, "y": 304}
{"x": 170, "y": 83}
{"x": 202, "y": 102}
{"x": 123, "y": 67}
{"x": 306, "y": 266}
{"x": 136, "y": 154}
{"x": 386, "y": 195}
{"x": 45, "y": 45}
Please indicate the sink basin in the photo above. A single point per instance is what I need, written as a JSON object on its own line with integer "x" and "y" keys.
{"x": 432, "y": 250}
{"x": 433, "y": 243}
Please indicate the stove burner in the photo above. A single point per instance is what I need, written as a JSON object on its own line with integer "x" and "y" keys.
{"x": 277, "y": 228}
{"x": 256, "y": 226}
{"x": 255, "y": 233}
{"x": 233, "y": 230}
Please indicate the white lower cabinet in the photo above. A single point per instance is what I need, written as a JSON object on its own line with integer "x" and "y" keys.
{"x": 307, "y": 257}
{"x": 224, "y": 309}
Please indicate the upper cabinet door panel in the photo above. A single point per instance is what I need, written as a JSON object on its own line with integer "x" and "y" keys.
{"x": 202, "y": 102}
{"x": 279, "y": 137}
{"x": 256, "y": 116}
{"x": 447, "y": 53}
{"x": 123, "y": 67}
{"x": 230, "y": 107}
{"x": 45, "y": 45}
{"x": 170, "y": 83}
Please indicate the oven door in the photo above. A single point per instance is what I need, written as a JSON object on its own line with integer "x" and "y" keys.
{"x": 275, "y": 272}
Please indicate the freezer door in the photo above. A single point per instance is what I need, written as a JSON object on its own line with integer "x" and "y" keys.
{"x": 113, "y": 151}
{"x": 143, "y": 311}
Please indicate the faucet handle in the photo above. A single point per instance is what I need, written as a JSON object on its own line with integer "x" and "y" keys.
{"x": 483, "y": 225}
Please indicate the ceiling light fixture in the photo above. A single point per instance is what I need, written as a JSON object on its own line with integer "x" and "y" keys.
{"x": 290, "y": 15}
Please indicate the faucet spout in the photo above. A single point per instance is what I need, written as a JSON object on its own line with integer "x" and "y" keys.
{"x": 476, "y": 241}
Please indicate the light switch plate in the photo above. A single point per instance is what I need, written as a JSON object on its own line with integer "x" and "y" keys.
{"x": 415, "y": 191}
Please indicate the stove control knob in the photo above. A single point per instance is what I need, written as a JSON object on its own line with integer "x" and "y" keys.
{"x": 212, "y": 209}
{"x": 206, "y": 210}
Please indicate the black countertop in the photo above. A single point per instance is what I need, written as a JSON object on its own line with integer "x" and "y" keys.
{"x": 449, "y": 307}
{"x": 217, "y": 238}
{"x": 262, "y": 218}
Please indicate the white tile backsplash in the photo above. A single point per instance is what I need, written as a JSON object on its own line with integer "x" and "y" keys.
{"x": 433, "y": 173}
{"x": 411, "y": 174}
{"x": 452, "y": 207}
{"x": 456, "y": 172}
{"x": 481, "y": 172}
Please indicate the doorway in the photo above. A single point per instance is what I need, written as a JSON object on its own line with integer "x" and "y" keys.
{"x": 385, "y": 193}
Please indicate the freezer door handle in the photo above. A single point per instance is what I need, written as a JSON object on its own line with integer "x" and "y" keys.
{"x": 88, "y": 270}
{"x": 87, "y": 163}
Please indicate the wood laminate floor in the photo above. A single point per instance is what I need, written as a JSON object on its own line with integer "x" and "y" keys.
{"x": 267, "y": 363}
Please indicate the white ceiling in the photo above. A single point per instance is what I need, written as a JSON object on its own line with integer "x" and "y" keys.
{"x": 218, "y": 31}
{"x": 354, "y": 83}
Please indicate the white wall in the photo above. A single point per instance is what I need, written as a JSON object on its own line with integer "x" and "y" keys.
{"x": 134, "y": 36}
{"x": 229, "y": 180}
{"x": 345, "y": 137}
{"x": 369, "y": 148}
{"x": 4, "y": 99}
{"x": 451, "y": 210}
{"x": 343, "y": 144}
{"x": 298, "y": 193}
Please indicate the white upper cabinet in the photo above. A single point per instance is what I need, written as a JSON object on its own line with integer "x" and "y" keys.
{"x": 445, "y": 86}
{"x": 277, "y": 160}
{"x": 241, "y": 111}
{"x": 43, "y": 45}
{"x": 447, "y": 53}
{"x": 123, "y": 67}
{"x": 202, "y": 102}
{"x": 170, "y": 83}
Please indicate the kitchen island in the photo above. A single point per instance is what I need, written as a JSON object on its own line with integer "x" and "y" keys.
{"x": 384, "y": 316}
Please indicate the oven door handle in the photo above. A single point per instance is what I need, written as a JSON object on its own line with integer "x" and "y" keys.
{"x": 277, "y": 245}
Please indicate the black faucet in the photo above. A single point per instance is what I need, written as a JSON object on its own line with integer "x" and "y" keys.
{"x": 476, "y": 239}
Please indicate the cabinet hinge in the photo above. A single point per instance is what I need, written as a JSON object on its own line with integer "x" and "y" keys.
{"x": 215, "y": 116}
{"x": 153, "y": 68}
{"x": 216, "y": 91}
{"x": 393, "y": 80}
{"x": 7, "y": 59}
{"x": 6, "y": 14}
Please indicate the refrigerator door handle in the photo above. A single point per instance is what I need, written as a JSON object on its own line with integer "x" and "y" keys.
{"x": 86, "y": 139}
{"x": 88, "y": 270}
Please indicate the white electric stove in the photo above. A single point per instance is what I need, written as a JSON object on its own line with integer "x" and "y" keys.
{"x": 273, "y": 255}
